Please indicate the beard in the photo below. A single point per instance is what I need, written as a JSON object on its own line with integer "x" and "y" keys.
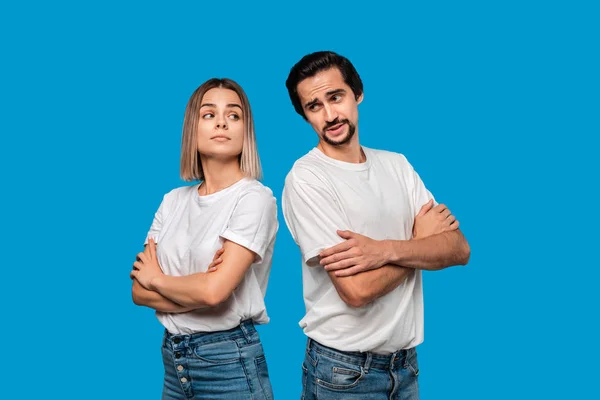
{"x": 342, "y": 141}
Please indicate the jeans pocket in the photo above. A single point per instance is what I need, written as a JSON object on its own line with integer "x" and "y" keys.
{"x": 218, "y": 353}
{"x": 263, "y": 376}
{"x": 412, "y": 364}
{"x": 338, "y": 375}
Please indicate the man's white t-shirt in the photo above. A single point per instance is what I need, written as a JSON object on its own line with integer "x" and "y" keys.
{"x": 190, "y": 228}
{"x": 379, "y": 199}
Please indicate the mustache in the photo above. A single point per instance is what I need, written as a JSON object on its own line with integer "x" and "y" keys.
{"x": 334, "y": 123}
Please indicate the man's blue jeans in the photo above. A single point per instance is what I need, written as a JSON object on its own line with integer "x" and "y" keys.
{"x": 333, "y": 374}
{"x": 222, "y": 365}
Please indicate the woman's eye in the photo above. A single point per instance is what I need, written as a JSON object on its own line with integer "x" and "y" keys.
{"x": 234, "y": 117}
{"x": 207, "y": 116}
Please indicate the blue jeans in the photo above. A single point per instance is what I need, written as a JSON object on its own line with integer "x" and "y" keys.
{"x": 333, "y": 374}
{"x": 216, "y": 365}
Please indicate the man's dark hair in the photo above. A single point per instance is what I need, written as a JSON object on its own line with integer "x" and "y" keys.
{"x": 314, "y": 63}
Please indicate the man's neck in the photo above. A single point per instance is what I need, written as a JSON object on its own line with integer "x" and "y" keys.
{"x": 350, "y": 152}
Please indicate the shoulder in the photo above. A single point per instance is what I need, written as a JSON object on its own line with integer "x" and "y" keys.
{"x": 256, "y": 193}
{"x": 308, "y": 169}
{"x": 178, "y": 194}
{"x": 388, "y": 156}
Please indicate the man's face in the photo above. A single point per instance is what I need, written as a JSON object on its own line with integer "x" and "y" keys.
{"x": 330, "y": 106}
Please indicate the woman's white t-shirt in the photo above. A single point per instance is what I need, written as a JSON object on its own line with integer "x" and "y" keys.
{"x": 190, "y": 228}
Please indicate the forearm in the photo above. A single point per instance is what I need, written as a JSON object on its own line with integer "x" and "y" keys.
{"x": 363, "y": 288}
{"x": 430, "y": 253}
{"x": 154, "y": 300}
{"x": 192, "y": 291}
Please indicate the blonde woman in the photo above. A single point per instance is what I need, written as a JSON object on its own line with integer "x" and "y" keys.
{"x": 208, "y": 255}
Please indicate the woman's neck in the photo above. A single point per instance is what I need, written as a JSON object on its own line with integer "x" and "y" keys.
{"x": 219, "y": 175}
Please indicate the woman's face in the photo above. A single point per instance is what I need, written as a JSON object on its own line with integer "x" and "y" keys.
{"x": 221, "y": 124}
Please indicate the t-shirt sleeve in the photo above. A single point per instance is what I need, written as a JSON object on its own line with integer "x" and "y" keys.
{"x": 313, "y": 216}
{"x": 253, "y": 223}
{"x": 157, "y": 223}
{"x": 420, "y": 193}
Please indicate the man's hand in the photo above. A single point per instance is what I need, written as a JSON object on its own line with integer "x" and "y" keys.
{"x": 357, "y": 254}
{"x": 146, "y": 268}
{"x": 433, "y": 220}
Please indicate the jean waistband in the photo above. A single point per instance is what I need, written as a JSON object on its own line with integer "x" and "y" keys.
{"x": 366, "y": 359}
{"x": 245, "y": 330}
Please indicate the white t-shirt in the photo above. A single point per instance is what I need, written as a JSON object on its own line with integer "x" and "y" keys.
{"x": 190, "y": 228}
{"x": 379, "y": 199}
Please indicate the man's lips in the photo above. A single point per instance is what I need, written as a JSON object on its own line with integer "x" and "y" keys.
{"x": 336, "y": 129}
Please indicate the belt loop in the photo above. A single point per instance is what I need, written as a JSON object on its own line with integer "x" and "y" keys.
{"x": 247, "y": 334}
{"x": 309, "y": 344}
{"x": 368, "y": 362}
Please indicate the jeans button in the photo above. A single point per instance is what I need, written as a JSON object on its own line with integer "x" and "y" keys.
{"x": 177, "y": 340}
{"x": 178, "y": 355}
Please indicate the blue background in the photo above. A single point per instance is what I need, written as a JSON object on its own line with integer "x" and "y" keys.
{"x": 496, "y": 104}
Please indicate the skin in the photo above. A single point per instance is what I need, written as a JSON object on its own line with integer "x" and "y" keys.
{"x": 220, "y": 138}
{"x": 363, "y": 269}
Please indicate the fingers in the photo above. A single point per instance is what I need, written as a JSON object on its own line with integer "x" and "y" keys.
{"x": 345, "y": 234}
{"x": 338, "y": 248}
{"x": 454, "y": 225}
{"x": 338, "y": 257}
{"x": 349, "y": 271}
{"x": 143, "y": 257}
{"x": 425, "y": 209}
{"x": 350, "y": 262}
{"x": 133, "y": 274}
{"x": 213, "y": 265}
{"x": 446, "y": 213}
{"x": 218, "y": 254}
{"x": 439, "y": 208}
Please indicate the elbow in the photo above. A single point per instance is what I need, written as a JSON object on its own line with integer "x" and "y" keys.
{"x": 355, "y": 298}
{"x": 136, "y": 297}
{"x": 212, "y": 298}
{"x": 465, "y": 253}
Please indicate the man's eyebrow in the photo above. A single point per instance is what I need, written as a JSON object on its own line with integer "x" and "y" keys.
{"x": 336, "y": 91}
{"x": 311, "y": 103}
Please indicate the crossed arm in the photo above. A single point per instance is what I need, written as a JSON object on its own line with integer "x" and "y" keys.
{"x": 176, "y": 294}
{"x": 363, "y": 269}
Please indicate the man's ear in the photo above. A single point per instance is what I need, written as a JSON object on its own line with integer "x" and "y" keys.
{"x": 360, "y": 98}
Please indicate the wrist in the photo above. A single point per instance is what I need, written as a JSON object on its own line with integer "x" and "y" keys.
{"x": 388, "y": 251}
{"x": 155, "y": 283}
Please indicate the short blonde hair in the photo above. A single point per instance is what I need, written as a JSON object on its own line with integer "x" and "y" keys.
{"x": 191, "y": 167}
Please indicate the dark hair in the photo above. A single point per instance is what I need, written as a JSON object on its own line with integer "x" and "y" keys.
{"x": 314, "y": 63}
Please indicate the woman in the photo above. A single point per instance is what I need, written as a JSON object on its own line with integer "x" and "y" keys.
{"x": 208, "y": 254}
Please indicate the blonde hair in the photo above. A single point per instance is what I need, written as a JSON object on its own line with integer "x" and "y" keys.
{"x": 191, "y": 167}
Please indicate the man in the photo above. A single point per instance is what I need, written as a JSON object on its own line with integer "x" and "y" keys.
{"x": 366, "y": 227}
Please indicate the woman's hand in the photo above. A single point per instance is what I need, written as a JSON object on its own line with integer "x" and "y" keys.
{"x": 146, "y": 268}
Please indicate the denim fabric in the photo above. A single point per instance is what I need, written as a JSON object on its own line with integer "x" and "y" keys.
{"x": 222, "y": 365}
{"x": 333, "y": 374}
